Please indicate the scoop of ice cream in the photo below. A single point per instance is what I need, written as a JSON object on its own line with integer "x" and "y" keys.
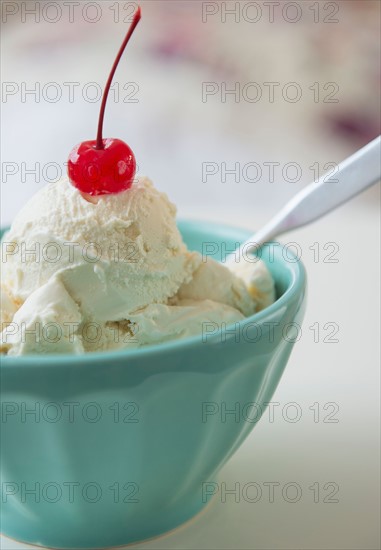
{"x": 215, "y": 281}
{"x": 257, "y": 279}
{"x": 113, "y": 256}
{"x": 47, "y": 322}
{"x": 114, "y": 273}
{"x": 158, "y": 323}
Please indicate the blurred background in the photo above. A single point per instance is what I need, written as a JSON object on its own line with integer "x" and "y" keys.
{"x": 305, "y": 76}
{"x": 231, "y": 108}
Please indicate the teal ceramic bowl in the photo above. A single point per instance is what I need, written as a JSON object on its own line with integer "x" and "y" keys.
{"x": 102, "y": 450}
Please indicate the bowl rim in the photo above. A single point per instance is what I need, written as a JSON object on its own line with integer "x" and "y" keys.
{"x": 296, "y": 286}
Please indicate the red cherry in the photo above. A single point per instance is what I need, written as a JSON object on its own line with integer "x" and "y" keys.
{"x": 104, "y": 166}
{"x": 102, "y": 171}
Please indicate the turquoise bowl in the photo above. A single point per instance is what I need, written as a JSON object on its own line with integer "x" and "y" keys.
{"x": 106, "y": 449}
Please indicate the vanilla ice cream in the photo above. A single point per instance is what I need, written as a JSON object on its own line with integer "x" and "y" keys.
{"x": 114, "y": 273}
{"x": 44, "y": 322}
{"x": 214, "y": 281}
{"x": 113, "y": 257}
{"x": 257, "y": 280}
{"x": 8, "y": 306}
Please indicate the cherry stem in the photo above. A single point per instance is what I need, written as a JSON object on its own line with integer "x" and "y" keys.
{"x": 135, "y": 21}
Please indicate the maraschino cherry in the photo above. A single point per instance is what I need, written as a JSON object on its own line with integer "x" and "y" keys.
{"x": 104, "y": 166}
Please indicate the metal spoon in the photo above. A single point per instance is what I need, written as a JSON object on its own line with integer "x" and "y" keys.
{"x": 354, "y": 175}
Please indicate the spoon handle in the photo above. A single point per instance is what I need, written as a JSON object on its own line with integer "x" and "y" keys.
{"x": 353, "y": 175}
